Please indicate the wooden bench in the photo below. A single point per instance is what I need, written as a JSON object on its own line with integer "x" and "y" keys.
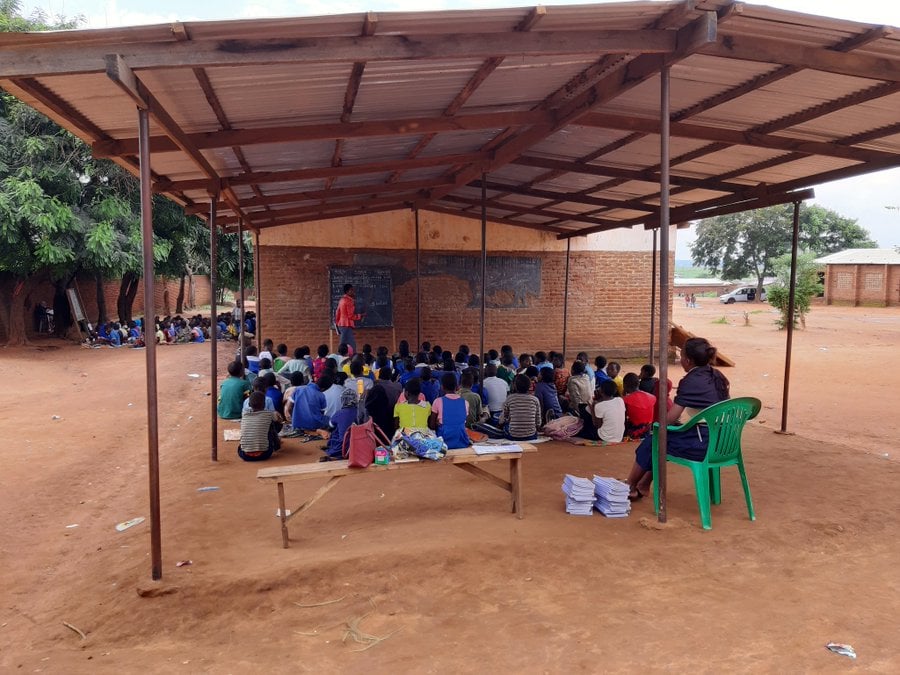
{"x": 464, "y": 459}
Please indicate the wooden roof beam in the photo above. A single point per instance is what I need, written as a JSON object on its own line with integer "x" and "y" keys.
{"x": 255, "y": 217}
{"x": 495, "y": 219}
{"x": 558, "y": 216}
{"x": 559, "y": 197}
{"x": 321, "y": 215}
{"x": 647, "y": 125}
{"x": 313, "y": 173}
{"x": 317, "y": 132}
{"x": 770, "y": 50}
{"x": 89, "y": 58}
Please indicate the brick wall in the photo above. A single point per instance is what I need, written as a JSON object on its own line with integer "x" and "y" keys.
{"x": 874, "y": 285}
{"x": 608, "y": 302}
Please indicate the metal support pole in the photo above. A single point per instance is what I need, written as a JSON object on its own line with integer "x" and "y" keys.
{"x": 653, "y": 301}
{"x": 150, "y": 344}
{"x": 795, "y": 240}
{"x": 257, "y": 273}
{"x": 566, "y": 300}
{"x": 418, "y": 290}
{"x": 483, "y": 269}
{"x": 213, "y": 341}
{"x": 241, "y": 281}
{"x": 663, "y": 285}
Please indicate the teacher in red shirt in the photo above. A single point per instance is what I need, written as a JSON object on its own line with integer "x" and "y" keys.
{"x": 346, "y": 317}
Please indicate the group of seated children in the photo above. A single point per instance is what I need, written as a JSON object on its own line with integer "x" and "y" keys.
{"x": 323, "y": 395}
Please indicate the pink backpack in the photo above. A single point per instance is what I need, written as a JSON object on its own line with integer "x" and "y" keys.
{"x": 563, "y": 427}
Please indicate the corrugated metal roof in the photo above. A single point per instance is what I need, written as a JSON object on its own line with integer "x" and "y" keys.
{"x": 862, "y": 256}
{"x": 336, "y": 113}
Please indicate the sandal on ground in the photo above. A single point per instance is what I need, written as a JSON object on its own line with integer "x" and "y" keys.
{"x": 635, "y": 495}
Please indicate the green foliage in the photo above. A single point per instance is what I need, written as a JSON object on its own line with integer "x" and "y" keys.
{"x": 807, "y": 287}
{"x": 746, "y": 244}
{"x": 227, "y": 268}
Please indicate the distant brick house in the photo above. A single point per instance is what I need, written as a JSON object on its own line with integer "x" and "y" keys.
{"x": 862, "y": 276}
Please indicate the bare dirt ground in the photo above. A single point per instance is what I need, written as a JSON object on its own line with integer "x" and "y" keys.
{"x": 432, "y": 558}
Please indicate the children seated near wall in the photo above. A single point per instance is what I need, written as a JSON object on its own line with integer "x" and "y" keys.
{"x": 520, "y": 415}
{"x": 232, "y": 392}
{"x": 608, "y": 413}
{"x": 449, "y": 413}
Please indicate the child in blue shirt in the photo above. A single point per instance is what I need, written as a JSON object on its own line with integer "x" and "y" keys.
{"x": 430, "y": 386}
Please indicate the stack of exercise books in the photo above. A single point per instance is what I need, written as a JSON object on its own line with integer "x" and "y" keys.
{"x": 612, "y": 497}
{"x": 579, "y": 495}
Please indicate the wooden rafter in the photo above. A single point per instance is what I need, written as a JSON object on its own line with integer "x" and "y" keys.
{"x": 560, "y": 216}
{"x": 437, "y": 207}
{"x": 89, "y": 58}
{"x": 560, "y": 197}
{"x": 395, "y": 201}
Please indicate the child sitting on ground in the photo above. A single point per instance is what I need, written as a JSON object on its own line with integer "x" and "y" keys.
{"x": 545, "y": 392}
{"x": 520, "y": 415}
{"x": 318, "y": 364}
{"x": 612, "y": 370}
{"x": 477, "y": 413}
{"x": 280, "y": 357}
{"x": 648, "y": 380}
{"x": 449, "y": 413}
{"x": 411, "y": 412}
{"x": 258, "y": 436}
{"x": 639, "y": 408}
{"x": 232, "y": 392}
{"x": 496, "y": 389}
{"x": 342, "y": 420}
{"x": 608, "y": 413}
{"x": 428, "y": 385}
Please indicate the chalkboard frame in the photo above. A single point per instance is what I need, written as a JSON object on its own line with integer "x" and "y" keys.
{"x": 362, "y": 277}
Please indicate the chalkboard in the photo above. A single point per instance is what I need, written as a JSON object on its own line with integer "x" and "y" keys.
{"x": 511, "y": 280}
{"x": 374, "y": 294}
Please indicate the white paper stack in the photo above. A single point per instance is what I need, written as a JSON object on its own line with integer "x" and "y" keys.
{"x": 612, "y": 497}
{"x": 579, "y": 495}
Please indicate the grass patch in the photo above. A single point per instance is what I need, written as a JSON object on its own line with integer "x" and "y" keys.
{"x": 722, "y": 320}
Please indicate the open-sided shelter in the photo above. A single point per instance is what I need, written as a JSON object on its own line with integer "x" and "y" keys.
{"x": 564, "y": 121}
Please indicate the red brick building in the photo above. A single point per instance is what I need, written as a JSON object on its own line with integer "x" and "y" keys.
{"x": 609, "y": 283}
{"x": 862, "y": 276}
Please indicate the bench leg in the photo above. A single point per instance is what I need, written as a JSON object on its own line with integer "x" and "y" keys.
{"x": 283, "y": 514}
{"x": 515, "y": 483}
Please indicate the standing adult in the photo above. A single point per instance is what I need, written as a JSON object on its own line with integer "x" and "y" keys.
{"x": 346, "y": 317}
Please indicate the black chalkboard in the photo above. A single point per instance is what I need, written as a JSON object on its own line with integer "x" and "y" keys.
{"x": 374, "y": 294}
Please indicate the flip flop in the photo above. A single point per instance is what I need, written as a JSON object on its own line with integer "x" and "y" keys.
{"x": 637, "y": 496}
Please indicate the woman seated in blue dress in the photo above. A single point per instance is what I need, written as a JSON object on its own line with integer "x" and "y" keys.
{"x": 700, "y": 388}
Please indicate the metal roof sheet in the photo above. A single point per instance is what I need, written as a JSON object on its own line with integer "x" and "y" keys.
{"x": 413, "y": 106}
{"x": 862, "y": 256}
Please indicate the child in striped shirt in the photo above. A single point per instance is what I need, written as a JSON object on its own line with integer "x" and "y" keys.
{"x": 521, "y": 413}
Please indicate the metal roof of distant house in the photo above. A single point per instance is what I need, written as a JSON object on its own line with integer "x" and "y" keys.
{"x": 862, "y": 256}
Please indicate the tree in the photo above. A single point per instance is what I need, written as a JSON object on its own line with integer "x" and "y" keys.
{"x": 807, "y": 287}
{"x": 746, "y": 244}
{"x": 227, "y": 267}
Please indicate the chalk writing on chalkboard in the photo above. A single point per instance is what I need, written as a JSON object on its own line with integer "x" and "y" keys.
{"x": 510, "y": 281}
{"x": 374, "y": 293}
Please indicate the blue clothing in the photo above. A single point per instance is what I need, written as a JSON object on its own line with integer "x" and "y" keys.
{"x": 544, "y": 364}
{"x": 476, "y": 389}
{"x": 277, "y": 397}
{"x": 342, "y": 421}
{"x": 431, "y": 389}
{"x": 453, "y": 426}
{"x": 600, "y": 376}
{"x": 548, "y": 398}
{"x": 199, "y": 337}
{"x": 691, "y": 444}
{"x": 309, "y": 408}
{"x": 270, "y": 404}
{"x": 115, "y": 338}
{"x": 407, "y": 376}
{"x": 589, "y": 370}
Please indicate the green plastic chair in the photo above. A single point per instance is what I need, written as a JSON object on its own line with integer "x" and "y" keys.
{"x": 726, "y": 421}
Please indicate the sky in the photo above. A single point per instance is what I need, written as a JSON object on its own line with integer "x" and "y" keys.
{"x": 863, "y": 198}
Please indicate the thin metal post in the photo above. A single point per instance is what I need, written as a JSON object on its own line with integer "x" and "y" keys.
{"x": 566, "y": 300}
{"x": 653, "y": 301}
{"x": 483, "y": 269}
{"x": 795, "y": 240}
{"x": 150, "y": 344}
{"x": 257, "y": 273}
{"x": 213, "y": 338}
{"x": 418, "y": 290}
{"x": 240, "y": 233}
{"x": 663, "y": 286}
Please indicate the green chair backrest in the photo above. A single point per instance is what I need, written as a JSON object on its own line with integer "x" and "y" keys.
{"x": 726, "y": 421}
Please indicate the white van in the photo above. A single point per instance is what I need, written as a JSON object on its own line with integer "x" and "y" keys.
{"x": 742, "y": 294}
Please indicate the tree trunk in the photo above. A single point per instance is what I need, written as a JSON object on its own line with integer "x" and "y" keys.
{"x": 179, "y": 303}
{"x": 20, "y": 294}
{"x": 127, "y": 293}
{"x": 192, "y": 290}
{"x": 102, "y": 312}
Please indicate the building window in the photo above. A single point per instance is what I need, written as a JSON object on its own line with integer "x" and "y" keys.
{"x": 872, "y": 281}
{"x": 844, "y": 281}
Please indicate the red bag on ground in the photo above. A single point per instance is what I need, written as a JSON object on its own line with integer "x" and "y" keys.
{"x": 360, "y": 442}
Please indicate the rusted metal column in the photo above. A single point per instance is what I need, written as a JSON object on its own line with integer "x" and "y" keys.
{"x": 483, "y": 269}
{"x": 566, "y": 300}
{"x": 150, "y": 342}
{"x": 213, "y": 341}
{"x": 795, "y": 241}
{"x": 418, "y": 290}
{"x": 240, "y": 232}
{"x": 257, "y": 273}
{"x": 653, "y": 300}
{"x": 660, "y": 478}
